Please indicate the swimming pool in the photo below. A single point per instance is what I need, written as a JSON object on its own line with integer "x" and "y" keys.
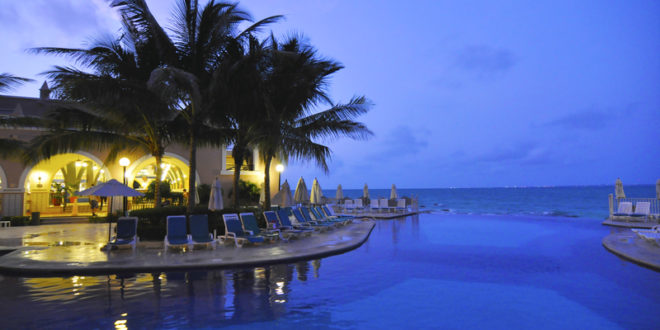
{"x": 431, "y": 271}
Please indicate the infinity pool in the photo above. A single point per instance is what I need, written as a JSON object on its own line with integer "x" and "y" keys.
{"x": 431, "y": 271}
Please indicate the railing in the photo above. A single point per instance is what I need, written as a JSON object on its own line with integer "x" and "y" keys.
{"x": 147, "y": 204}
{"x": 654, "y": 202}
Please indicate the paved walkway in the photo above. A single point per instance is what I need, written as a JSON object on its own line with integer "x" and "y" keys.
{"x": 626, "y": 244}
{"x": 52, "y": 250}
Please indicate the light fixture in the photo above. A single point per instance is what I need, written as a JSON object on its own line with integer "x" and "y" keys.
{"x": 39, "y": 185}
{"x": 279, "y": 168}
{"x": 124, "y": 162}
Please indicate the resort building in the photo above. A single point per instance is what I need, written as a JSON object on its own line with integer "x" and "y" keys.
{"x": 36, "y": 187}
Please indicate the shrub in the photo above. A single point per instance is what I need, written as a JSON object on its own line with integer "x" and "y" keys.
{"x": 204, "y": 192}
{"x": 18, "y": 220}
{"x": 153, "y": 221}
{"x": 248, "y": 192}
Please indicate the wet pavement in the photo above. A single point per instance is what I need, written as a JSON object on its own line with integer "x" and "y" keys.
{"x": 626, "y": 244}
{"x": 76, "y": 249}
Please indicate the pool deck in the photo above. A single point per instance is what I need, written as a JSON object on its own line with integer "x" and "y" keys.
{"x": 630, "y": 224}
{"x": 75, "y": 249}
{"x": 627, "y": 245}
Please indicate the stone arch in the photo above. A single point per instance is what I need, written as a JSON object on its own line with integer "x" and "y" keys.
{"x": 147, "y": 159}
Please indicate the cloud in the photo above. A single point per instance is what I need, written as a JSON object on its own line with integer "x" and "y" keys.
{"x": 521, "y": 153}
{"x": 485, "y": 61}
{"x": 400, "y": 141}
{"x": 586, "y": 120}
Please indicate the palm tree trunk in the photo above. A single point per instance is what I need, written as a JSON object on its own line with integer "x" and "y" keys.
{"x": 191, "y": 174}
{"x": 159, "y": 171}
{"x": 238, "y": 155}
{"x": 269, "y": 159}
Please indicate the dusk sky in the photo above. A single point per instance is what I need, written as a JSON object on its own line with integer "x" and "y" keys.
{"x": 465, "y": 93}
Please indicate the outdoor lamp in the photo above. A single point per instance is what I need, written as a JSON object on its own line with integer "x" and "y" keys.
{"x": 279, "y": 168}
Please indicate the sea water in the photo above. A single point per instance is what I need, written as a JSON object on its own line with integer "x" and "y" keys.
{"x": 575, "y": 201}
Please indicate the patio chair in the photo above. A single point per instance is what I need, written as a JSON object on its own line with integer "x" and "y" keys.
{"x": 274, "y": 223}
{"x": 319, "y": 213}
{"x": 624, "y": 210}
{"x": 330, "y": 214}
{"x": 373, "y": 206}
{"x": 234, "y": 230}
{"x": 285, "y": 222}
{"x": 250, "y": 225}
{"x": 308, "y": 217}
{"x": 349, "y": 206}
{"x": 358, "y": 205}
{"x": 383, "y": 204}
{"x": 126, "y": 233}
{"x": 199, "y": 230}
{"x": 301, "y": 221}
{"x": 401, "y": 205}
{"x": 642, "y": 210}
{"x": 640, "y": 232}
{"x": 176, "y": 232}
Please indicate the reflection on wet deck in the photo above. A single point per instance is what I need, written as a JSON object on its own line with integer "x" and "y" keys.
{"x": 76, "y": 249}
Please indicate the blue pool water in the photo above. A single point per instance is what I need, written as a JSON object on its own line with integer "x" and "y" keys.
{"x": 430, "y": 271}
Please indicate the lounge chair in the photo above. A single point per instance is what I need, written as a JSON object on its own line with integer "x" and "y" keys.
{"x": 199, "y": 230}
{"x": 624, "y": 210}
{"x": 401, "y": 205}
{"x": 349, "y": 206}
{"x": 383, "y": 204}
{"x": 176, "y": 232}
{"x": 250, "y": 225}
{"x": 126, "y": 233}
{"x": 330, "y": 214}
{"x": 285, "y": 222}
{"x": 303, "y": 222}
{"x": 651, "y": 237}
{"x": 308, "y": 217}
{"x": 640, "y": 232}
{"x": 274, "y": 223}
{"x": 642, "y": 210}
{"x": 358, "y": 205}
{"x": 373, "y": 206}
{"x": 234, "y": 230}
{"x": 320, "y": 214}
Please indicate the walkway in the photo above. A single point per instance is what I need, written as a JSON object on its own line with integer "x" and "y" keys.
{"x": 75, "y": 249}
{"x": 627, "y": 245}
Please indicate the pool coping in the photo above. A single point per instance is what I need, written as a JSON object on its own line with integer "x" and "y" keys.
{"x": 14, "y": 263}
{"x": 629, "y": 246}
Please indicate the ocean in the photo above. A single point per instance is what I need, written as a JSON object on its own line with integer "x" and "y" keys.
{"x": 573, "y": 202}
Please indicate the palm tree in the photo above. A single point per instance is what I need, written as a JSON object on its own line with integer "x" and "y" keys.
{"x": 113, "y": 105}
{"x": 7, "y": 81}
{"x": 192, "y": 57}
{"x": 296, "y": 83}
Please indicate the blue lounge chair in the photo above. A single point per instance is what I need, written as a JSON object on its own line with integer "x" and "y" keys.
{"x": 250, "y": 225}
{"x": 332, "y": 215}
{"x": 126, "y": 233}
{"x": 234, "y": 230}
{"x": 274, "y": 223}
{"x": 320, "y": 216}
{"x": 199, "y": 230}
{"x": 285, "y": 222}
{"x": 299, "y": 215}
{"x": 176, "y": 231}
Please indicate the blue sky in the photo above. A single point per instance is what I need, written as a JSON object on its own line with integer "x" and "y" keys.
{"x": 465, "y": 93}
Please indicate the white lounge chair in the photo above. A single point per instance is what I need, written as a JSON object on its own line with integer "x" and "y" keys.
{"x": 373, "y": 206}
{"x": 383, "y": 204}
{"x": 358, "y": 205}
{"x": 401, "y": 205}
{"x": 349, "y": 206}
{"x": 640, "y": 232}
{"x": 642, "y": 210}
{"x": 624, "y": 210}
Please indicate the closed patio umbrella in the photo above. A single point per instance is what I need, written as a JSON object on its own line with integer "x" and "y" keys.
{"x": 393, "y": 194}
{"x": 365, "y": 191}
{"x": 215, "y": 198}
{"x": 110, "y": 189}
{"x": 283, "y": 197}
{"x": 317, "y": 195}
{"x": 340, "y": 194}
{"x": 618, "y": 189}
{"x": 301, "y": 195}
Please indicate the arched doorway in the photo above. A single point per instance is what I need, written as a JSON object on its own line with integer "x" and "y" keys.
{"x": 142, "y": 174}
{"x": 51, "y": 185}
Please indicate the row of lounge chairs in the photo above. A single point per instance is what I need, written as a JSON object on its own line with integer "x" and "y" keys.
{"x": 651, "y": 235}
{"x": 376, "y": 205}
{"x": 625, "y": 210}
{"x": 241, "y": 228}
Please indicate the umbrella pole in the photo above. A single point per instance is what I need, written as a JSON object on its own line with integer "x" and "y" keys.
{"x": 109, "y": 222}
